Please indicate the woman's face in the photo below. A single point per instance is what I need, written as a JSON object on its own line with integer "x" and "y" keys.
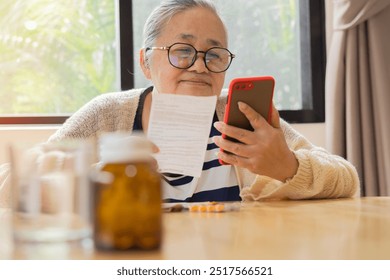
{"x": 202, "y": 29}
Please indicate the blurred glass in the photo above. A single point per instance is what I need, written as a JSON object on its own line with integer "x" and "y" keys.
{"x": 6, "y": 244}
{"x": 51, "y": 195}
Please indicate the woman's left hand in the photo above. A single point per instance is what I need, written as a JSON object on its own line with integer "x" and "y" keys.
{"x": 263, "y": 151}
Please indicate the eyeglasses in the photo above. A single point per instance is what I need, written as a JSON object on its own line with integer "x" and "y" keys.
{"x": 183, "y": 56}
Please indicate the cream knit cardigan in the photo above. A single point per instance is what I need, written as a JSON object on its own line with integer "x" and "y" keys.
{"x": 320, "y": 174}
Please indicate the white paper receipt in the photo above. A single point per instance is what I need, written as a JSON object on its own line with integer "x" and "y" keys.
{"x": 180, "y": 126}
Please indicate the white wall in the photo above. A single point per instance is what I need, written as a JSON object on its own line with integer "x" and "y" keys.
{"x": 35, "y": 134}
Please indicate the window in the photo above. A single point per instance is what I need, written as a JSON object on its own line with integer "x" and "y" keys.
{"x": 54, "y": 57}
{"x": 77, "y": 53}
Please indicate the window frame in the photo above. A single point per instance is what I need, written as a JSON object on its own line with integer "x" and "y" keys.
{"x": 313, "y": 64}
{"x": 312, "y": 32}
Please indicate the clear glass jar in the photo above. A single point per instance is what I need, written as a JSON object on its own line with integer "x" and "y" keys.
{"x": 127, "y": 199}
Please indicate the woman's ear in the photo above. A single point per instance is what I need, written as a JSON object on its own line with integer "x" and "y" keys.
{"x": 144, "y": 63}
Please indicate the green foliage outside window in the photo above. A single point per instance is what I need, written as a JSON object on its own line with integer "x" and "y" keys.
{"x": 55, "y": 55}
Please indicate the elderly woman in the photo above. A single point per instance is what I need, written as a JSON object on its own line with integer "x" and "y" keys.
{"x": 182, "y": 38}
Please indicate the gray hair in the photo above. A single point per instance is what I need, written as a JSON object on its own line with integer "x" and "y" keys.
{"x": 165, "y": 11}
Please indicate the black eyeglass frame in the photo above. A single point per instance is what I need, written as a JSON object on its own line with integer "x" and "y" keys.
{"x": 167, "y": 48}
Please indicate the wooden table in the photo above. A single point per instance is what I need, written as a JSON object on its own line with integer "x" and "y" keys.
{"x": 314, "y": 229}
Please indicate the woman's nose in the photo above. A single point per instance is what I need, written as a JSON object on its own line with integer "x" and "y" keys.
{"x": 199, "y": 65}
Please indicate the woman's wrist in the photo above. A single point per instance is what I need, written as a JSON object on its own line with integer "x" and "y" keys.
{"x": 292, "y": 169}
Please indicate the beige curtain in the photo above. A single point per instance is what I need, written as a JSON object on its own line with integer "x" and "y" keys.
{"x": 358, "y": 90}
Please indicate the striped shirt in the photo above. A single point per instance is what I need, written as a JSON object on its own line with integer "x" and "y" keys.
{"x": 216, "y": 183}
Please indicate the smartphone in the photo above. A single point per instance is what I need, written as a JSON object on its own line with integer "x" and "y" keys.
{"x": 257, "y": 92}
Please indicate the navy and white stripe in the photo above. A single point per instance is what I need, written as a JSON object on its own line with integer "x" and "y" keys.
{"x": 216, "y": 183}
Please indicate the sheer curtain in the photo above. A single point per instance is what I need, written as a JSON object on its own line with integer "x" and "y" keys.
{"x": 358, "y": 90}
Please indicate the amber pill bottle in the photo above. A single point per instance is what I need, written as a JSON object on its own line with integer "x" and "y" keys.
{"x": 127, "y": 195}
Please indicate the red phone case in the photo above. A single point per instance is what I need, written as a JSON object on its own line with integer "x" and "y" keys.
{"x": 257, "y": 92}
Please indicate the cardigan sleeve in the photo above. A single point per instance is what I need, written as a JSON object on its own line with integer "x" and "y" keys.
{"x": 320, "y": 175}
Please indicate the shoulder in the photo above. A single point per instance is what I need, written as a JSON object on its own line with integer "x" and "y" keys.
{"x": 221, "y": 102}
{"x": 113, "y": 102}
{"x": 223, "y": 96}
{"x": 118, "y": 97}
{"x": 106, "y": 112}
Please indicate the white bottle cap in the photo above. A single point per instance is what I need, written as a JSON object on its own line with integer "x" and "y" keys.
{"x": 123, "y": 147}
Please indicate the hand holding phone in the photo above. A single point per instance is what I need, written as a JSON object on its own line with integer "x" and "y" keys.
{"x": 257, "y": 92}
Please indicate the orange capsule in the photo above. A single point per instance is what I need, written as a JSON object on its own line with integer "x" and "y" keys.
{"x": 219, "y": 208}
{"x": 194, "y": 208}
